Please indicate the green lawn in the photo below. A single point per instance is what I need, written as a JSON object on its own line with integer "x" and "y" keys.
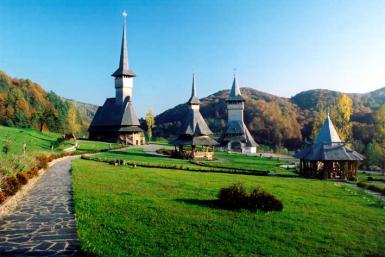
{"x": 224, "y": 160}
{"x": 123, "y": 211}
{"x": 247, "y": 161}
{"x": 35, "y": 140}
{"x": 365, "y": 178}
{"x": 37, "y": 143}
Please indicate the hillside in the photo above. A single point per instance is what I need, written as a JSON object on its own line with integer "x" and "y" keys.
{"x": 24, "y": 103}
{"x": 85, "y": 109}
{"x": 274, "y": 120}
{"x": 270, "y": 119}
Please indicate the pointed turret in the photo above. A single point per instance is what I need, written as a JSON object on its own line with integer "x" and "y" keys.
{"x": 194, "y": 130}
{"x": 327, "y": 134}
{"x": 123, "y": 69}
{"x": 193, "y": 99}
{"x": 235, "y": 92}
{"x": 236, "y": 135}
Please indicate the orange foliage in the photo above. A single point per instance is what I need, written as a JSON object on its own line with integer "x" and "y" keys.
{"x": 24, "y": 106}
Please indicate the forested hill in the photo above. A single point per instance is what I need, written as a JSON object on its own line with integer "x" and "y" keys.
{"x": 311, "y": 98}
{"x": 274, "y": 120}
{"x": 24, "y": 103}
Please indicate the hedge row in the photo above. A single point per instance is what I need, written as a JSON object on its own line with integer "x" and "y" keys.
{"x": 118, "y": 162}
{"x": 204, "y": 164}
{"x": 371, "y": 188}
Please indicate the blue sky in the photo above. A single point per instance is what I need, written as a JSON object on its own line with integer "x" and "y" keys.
{"x": 280, "y": 47}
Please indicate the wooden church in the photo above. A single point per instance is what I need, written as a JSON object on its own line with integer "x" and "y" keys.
{"x": 236, "y": 137}
{"x": 194, "y": 138}
{"x": 116, "y": 120}
{"x": 328, "y": 157}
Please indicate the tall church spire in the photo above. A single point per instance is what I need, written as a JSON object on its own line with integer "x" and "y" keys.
{"x": 123, "y": 69}
{"x": 193, "y": 99}
{"x": 235, "y": 92}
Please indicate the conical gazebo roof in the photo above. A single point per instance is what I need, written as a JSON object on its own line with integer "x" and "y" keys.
{"x": 328, "y": 146}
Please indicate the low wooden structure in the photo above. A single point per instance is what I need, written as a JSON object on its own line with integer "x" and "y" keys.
{"x": 328, "y": 157}
{"x": 194, "y": 141}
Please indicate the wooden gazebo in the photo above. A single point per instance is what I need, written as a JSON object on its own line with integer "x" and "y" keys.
{"x": 194, "y": 141}
{"x": 328, "y": 157}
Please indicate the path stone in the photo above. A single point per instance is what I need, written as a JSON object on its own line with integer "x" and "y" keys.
{"x": 43, "y": 224}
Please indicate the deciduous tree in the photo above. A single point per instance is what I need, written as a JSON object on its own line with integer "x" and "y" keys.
{"x": 150, "y": 122}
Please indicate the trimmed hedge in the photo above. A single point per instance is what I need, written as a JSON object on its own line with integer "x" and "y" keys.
{"x": 118, "y": 162}
{"x": 204, "y": 164}
{"x": 371, "y": 188}
{"x": 235, "y": 197}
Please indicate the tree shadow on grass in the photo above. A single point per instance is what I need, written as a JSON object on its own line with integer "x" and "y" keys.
{"x": 203, "y": 203}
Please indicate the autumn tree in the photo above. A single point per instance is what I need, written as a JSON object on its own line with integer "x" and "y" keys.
{"x": 380, "y": 125}
{"x": 341, "y": 115}
{"x": 376, "y": 149}
{"x": 72, "y": 125}
{"x": 150, "y": 122}
{"x": 319, "y": 117}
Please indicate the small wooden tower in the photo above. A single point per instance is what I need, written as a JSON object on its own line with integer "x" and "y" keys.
{"x": 194, "y": 139}
{"x": 236, "y": 136}
{"x": 328, "y": 156}
{"x": 116, "y": 120}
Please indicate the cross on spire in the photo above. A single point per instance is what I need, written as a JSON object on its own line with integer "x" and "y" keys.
{"x": 123, "y": 69}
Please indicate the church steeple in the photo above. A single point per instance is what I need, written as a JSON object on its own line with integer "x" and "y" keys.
{"x": 123, "y": 75}
{"x": 194, "y": 100}
{"x": 235, "y": 92}
{"x": 123, "y": 69}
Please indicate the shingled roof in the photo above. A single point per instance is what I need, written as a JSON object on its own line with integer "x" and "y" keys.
{"x": 115, "y": 117}
{"x": 328, "y": 147}
{"x": 235, "y": 92}
{"x": 193, "y": 99}
{"x": 237, "y": 131}
{"x": 194, "y": 130}
{"x": 328, "y": 133}
{"x": 123, "y": 62}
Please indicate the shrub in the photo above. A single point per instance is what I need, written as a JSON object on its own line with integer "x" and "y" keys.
{"x": 42, "y": 161}
{"x": 362, "y": 185}
{"x": 23, "y": 178}
{"x": 264, "y": 201}
{"x": 11, "y": 185}
{"x": 6, "y": 147}
{"x": 375, "y": 189}
{"x": 236, "y": 197}
{"x": 33, "y": 172}
{"x": 2, "y": 197}
{"x": 164, "y": 151}
{"x": 233, "y": 197}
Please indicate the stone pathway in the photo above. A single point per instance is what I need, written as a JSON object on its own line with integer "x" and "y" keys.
{"x": 43, "y": 224}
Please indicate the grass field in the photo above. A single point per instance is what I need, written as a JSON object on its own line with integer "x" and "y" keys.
{"x": 224, "y": 160}
{"x": 35, "y": 140}
{"x": 123, "y": 211}
{"x": 366, "y": 179}
{"x": 37, "y": 143}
